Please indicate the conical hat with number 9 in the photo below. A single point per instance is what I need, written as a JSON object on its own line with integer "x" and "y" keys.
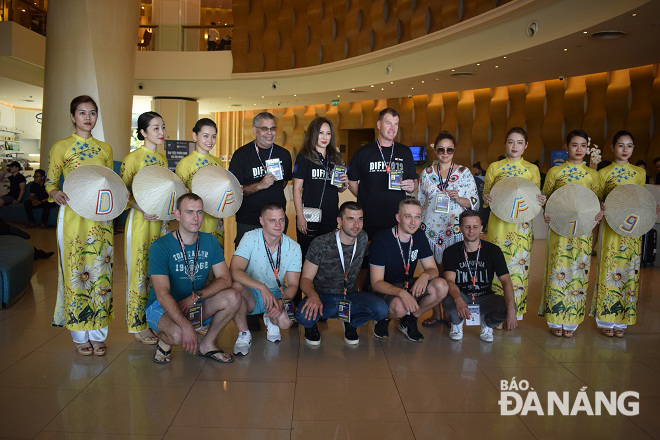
{"x": 514, "y": 200}
{"x": 156, "y": 189}
{"x": 572, "y": 210}
{"x": 219, "y": 189}
{"x": 96, "y": 192}
{"x": 630, "y": 210}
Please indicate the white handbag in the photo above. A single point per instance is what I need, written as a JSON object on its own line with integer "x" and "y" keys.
{"x": 314, "y": 215}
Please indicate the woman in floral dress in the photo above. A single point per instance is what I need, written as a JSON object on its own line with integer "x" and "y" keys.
{"x": 617, "y": 288}
{"x": 568, "y": 258}
{"x": 84, "y": 247}
{"x": 515, "y": 240}
{"x": 142, "y": 228}
{"x": 205, "y": 133}
{"x": 454, "y": 184}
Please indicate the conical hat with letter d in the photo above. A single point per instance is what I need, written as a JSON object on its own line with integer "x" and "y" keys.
{"x": 96, "y": 192}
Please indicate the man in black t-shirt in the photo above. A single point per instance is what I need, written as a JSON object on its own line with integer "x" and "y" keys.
{"x": 371, "y": 169}
{"x": 255, "y": 165}
{"x": 16, "y": 185}
{"x": 328, "y": 278}
{"x": 469, "y": 269}
{"x": 393, "y": 257}
{"x": 38, "y": 199}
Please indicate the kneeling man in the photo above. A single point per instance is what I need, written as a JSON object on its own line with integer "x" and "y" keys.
{"x": 329, "y": 279}
{"x": 393, "y": 257}
{"x": 179, "y": 266}
{"x": 263, "y": 260}
{"x": 469, "y": 269}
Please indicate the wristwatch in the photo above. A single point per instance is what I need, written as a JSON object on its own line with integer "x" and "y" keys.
{"x": 198, "y": 295}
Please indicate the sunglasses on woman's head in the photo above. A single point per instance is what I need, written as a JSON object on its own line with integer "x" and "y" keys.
{"x": 441, "y": 150}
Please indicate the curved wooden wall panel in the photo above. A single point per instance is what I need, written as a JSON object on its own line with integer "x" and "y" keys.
{"x": 480, "y": 118}
{"x": 240, "y": 35}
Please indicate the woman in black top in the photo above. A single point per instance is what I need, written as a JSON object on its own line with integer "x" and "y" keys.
{"x": 312, "y": 186}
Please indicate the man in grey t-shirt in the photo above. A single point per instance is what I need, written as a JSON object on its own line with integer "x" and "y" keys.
{"x": 329, "y": 279}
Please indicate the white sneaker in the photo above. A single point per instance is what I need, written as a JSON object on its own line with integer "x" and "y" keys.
{"x": 486, "y": 333}
{"x": 243, "y": 343}
{"x": 273, "y": 331}
{"x": 456, "y": 332}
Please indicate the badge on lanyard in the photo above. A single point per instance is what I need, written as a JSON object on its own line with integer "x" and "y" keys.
{"x": 337, "y": 172}
{"x": 194, "y": 315}
{"x": 442, "y": 203}
{"x": 475, "y": 315}
{"x": 274, "y": 167}
{"x": 289, "y": 308}
{"x": 344, "y": 313}
{"x": 475, "y": 312}
{"x": 394, "y": 180}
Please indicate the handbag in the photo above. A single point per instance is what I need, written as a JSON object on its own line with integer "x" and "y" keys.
{"x": 314, "y": 215}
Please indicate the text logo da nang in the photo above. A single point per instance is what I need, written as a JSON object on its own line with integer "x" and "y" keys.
{"x": 512, "y": 402}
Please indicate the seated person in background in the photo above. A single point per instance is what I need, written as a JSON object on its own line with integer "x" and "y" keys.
{"x": 38, "y": 198}
{"x": 393, "y": 257}
{"x": 263, "y": 260}
{"x": 16, "y": 185}
{"x": 329, "y": 279}
{"x": 7, "y": 229}
{"x": 179, "y": 266}
{"x": 469, "y": 269}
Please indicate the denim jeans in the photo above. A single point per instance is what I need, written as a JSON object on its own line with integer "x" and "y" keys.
{"x": 365, "y": 307}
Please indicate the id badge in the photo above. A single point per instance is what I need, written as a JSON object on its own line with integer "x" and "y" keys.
{"x": 394, "y": 180}
{"x": 442, "y": 203}
{"x": 475, "y": 315}
{"x": 274, "y": 167}
{"x": 345, "y": 310}
{"x": 337, "y": 172}
{"x": 195, "y": 316}
{"x": 289, "y": 308}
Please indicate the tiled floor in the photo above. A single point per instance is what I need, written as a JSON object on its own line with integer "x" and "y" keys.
{"x": 390, "y": 389}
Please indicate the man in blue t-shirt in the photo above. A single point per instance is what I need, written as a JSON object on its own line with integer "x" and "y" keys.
{"x": 393, "y": 257}
{"x": 267, "y": 264}
{"x": 179, "y": 267}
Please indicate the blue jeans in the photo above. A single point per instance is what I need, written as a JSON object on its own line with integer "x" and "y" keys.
{"x": 365, "y": 307}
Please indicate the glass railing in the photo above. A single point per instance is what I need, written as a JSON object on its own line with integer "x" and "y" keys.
{"x": 206, "y": 38}
{"x": 29, "y": 14}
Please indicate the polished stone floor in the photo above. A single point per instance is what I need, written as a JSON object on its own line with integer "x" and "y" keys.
{"x": 438, "y": 389}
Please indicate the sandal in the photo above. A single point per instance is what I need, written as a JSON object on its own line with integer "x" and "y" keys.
{"x": 162, "y": 356}
{"x": 556, "y": 331}
{"x": 147, "y": 340}
{"x": 499, "y": 326}
{"x": 99, "y": 348}
{"x": 609, "y": 332}
{"x": 568, "y": 333}
{"x": 431, "y": 322}
{"x": 224, "y": 358}
{"x": 619, "y": 332}
{"x": 85, "y": 349}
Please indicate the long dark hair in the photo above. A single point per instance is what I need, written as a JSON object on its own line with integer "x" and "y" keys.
{"x": 143, "y": 122}
{"x": 308, "y": 149}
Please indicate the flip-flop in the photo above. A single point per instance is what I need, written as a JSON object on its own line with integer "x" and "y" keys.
{"x": 148, "y": 340}
{"x": 99, "y": 348}
{"x": 608, "y": 332}
{"x": 211, "y": 355}
{"x": 167, "y": 354}
{"x": 619, "y": 332}
{"x": 81, "y": 349}
{"x": 568, "y": 333}
{"x": 556, "y": 331}
{"x": 431, "y": 322}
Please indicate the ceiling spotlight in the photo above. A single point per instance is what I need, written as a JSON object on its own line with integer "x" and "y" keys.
{"x": 585, "y": 32}
{"x": 634, "y": 15}
{"x": 565, "y": 50}
{"x": 422, "y": 81}
{"x": 338, "y": 96}
{"x": 453, "y": 70}
{"x": 372, "y": 85}
{"x": 295, "y": 95}
{"x": 497, "y": 67}
{"x": 352, "y": 89}
{"x": 504, "y": 58}
{"x": 262, "y": 96}
{"x": 382, "y": 88}
{"x": 412, "y": 88}
{"x": 391, "y": 82}
{"x": 478, "y": 64}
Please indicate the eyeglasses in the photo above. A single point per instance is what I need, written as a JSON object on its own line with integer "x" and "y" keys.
{"x": 267, "y": 129}
{"x": 441, "y": 150}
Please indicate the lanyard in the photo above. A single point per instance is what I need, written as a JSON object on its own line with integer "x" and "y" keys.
{"x": 406, "y": 265}
{"x": 259, "y": 157}
{"x": 473, "y": 277}
{"x": 190, "y": 271}
{"x": 276, "y": 268}
{"x": 341, "y": 257}
{"x": 387, "y": 165}
{"x": 442, "y": 186}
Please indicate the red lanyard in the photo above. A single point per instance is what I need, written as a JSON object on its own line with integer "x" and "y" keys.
{"x": 442, "y": 186}
{"x": 259, "y": 157}
{"x": 387, "y": 165}
{"x": 406, "y": 264}
{"x": 190, "y": 271}
{"x": 341, "y": 257}
{"x": 276, "y": 268}
{"x": 473, "y": 277}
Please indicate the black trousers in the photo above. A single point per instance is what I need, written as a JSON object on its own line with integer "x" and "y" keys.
{"x": 491, "y": 307}
{"x": 45, "y": 210}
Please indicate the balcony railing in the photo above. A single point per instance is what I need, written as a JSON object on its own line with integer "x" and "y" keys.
{"x": 28, "y": 14}
{"x": 206, "y": 38}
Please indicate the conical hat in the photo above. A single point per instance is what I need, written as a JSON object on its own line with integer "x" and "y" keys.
{"x": 96, "y": 192}
{"x": 156, "y": 190}
{"x": 630, "y": 210}
{"x": 219, "y": 189}
{"x": 572, "y": 210}
{"x": 514, "y": 200}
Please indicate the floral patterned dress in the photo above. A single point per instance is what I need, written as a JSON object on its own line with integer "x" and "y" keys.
{"x": 442, "y": 230}
{"x": 568, "y": 258}
{"x": 515, "y": 240}
{"x": 84, "y": 247}
{"x": 140, "y": 233}
{"x": 186, "y": 169}
{"x": 617, "y": 288}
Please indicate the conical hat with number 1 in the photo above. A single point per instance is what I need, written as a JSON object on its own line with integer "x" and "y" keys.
{"x": 156, "y": 189}
{"x": 572, "y": 210}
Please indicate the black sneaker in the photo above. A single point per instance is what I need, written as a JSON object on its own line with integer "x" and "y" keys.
{"x": 350, "y": 334}
{"x": 381, "y": 329}
{"x": 408, "y": 325}
{"x": 253, "y": 323}
{"x": 312, "y": 335}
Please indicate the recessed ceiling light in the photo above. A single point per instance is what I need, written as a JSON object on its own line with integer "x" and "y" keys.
{"x": 504, "y": 58}
{"x": 338, "y": 96}
{"x": 262, "y": 96}
{"x": 412, "y": 88}
{"x": 453, "y": 70}
{"x": 372, "y": 85}
{"x": 391, "y": 82}
{"x": 478, "y": 64}
{"x": 295, "y": 95}
{"x": 585, "y": 32}
{"x": 634, "y": 15}
{"x": 422, "y": 81}
{"x": 497, "y": 67}
{"x": 565, "y": 50}
{"x": 254, "y": 104}
{"x": 382, "y": 88}
{"x": 352, "y": 89}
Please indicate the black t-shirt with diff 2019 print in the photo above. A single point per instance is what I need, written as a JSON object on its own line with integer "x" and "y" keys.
{"x": 491, "y": 262}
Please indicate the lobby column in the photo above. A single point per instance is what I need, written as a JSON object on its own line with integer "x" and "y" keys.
{"x": 180, "y": 115}
{"x": 90, "y": 50}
